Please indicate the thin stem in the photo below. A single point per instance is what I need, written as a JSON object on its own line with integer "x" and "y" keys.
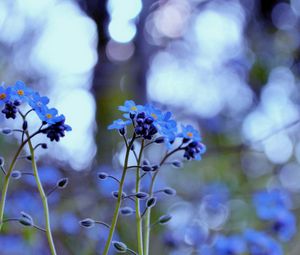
{"x": 137, "y": 202}
{"x": 119, "y": 199}
{"x": 148, "y": 211}
{"x": 51, "y": 191}
{"x": 3, "y": 170}
{"x": 132, "y": 251}
{"x": 102, "y": 223}
{"x": 43, "y": 196}
{"x": 7, "y": 177}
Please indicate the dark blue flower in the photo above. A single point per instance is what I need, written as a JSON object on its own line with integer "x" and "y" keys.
{"x": 144, "y": 126}
{"x": 55, "y": 131}
{"x": 232, "y": 245}
{"x": 119, "y": 124}
{"x": 11, "y": 108}
{"x": 284, "y": 225}
{"x": 261, "y": 244}
{"x": 194, "y": 150}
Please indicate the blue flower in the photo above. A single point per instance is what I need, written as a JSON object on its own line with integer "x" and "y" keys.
{"x": 20, "y": 92}
{"x": 153, "y": 113}
{"x": 5, "y": 94}
{"x": 261, "y": 244}
{"x": 232, "y": 245}
{"x": 119, "y": 124}
{"x": 268, "y": 203}
{"x": 189, "y": 133}
{"x": 49, "y": 115}
{"x": 37, "y": 102}
{"x": 130, "y": 107}
{"x": 284, "y": 225}
{"x": 168, "y": 128}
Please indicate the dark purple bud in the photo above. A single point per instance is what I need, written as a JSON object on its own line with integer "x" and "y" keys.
{"x": 6, "y": 131}
{"x": 25, "y": 125}
{"x": 26, "y": 219}
{"x": 87, "y": 223}
{"x": 44, "y": 146}
{"x": 126, "y": 211}
{"x": 141, "y": 195}
{"x": 132, "y": 115}
{"x": 154, "y": 168}
{"x": 169, "y": 191}
{"x": 115, "y": 194}
{"x": 160, "y": 139}
{"x": 164, "y": 219}
{"x": 120, "y": 247}
{"x": 146, "y": 168}
{"x": 186, "y": 140}
{"x": 16, "y": 175}
{"x": 2, "y": 161}
{"x": 146, "y": 162}
{"x": 177, "y": 163}
{"x": 17, "y": 103}
{"x": 151, "y": 202}
{"x": 62, "y": 183}
{"x": 122, "y": 131}
{"x": 102, "y": 175}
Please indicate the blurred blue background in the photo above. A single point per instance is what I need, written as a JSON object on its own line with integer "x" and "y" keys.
{"x": 229, "y": 67}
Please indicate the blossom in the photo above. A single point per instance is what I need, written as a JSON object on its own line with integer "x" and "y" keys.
{"x": 268, "y": 203}
{"x": 20, "y": 92}
{"x": 130, "y": 107}
{"x": 261, "y": 244}
{"x": 118, "y": 124}
{"x": 49, "y": 116}
{"x": 189, "y": 133}
{"x": 5, "y": 94}
{"x": 232, "y": 245}
{"x": 38, "y": 102}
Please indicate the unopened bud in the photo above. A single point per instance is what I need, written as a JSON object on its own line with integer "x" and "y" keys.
{"x": 87, "y": 223}
{"x": 16, "y": 174}
{"x": 62, "y": 183}
{"x": 151, "y": 202}
{"x": 164, "y": 219}
{"x": 119, "y": 246}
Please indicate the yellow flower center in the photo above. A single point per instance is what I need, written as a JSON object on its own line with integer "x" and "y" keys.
{"x": 190, "y": 134}
{"x": 49, "y": 116}
{"x": 20, "y": 92}
{"x": 2, "y": 96}
{"x": 133, "y": 108}
{"x": 154, "y": 116}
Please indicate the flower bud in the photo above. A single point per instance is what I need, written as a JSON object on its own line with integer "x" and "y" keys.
{"x": 146, "y": 162}
{"x": 160, "y": 139}
{"x": 25, "y": 125}
{"x": 44, "y": 146}
{"x": 154, "y": 168}
{"x": 16, "y": 175}
{"x": 102, "y": 175}
{"x": 169, "y": 191}
{"x": 164, "y": 219}
{"x": 177, "y": 163}
{"x": 62, "y": 183}
{"x": 126, "y": 211}
{"x": 2, "y": 161}
{"x": 141, "y": 195}
{"x": 6, "y": 131}
{"x": 151, "y": 202}
{"x": 26, "y": 219}
{"x": 146, "y": 168}
{"x": 119, "y": 246}
{"x": 122, "y": 131}
{"x": 87, "y": 223}
{"x": 115, "y": 194}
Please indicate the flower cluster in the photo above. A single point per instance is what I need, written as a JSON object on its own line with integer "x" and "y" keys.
{"x": 13, "y": 96}
{"x": 273, "y": 207}
{"x": 149, "y": 123}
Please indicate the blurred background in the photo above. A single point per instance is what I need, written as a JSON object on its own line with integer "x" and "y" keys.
{"x": 229, "y": 67}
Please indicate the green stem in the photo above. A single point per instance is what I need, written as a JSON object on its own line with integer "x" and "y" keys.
{"x": 7, "y": 178}
{"x": 137, "y": 204}
{"x": 43, "y": 196}
{"x": 119, "y": 199}
{"x": 147, "y": 226}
